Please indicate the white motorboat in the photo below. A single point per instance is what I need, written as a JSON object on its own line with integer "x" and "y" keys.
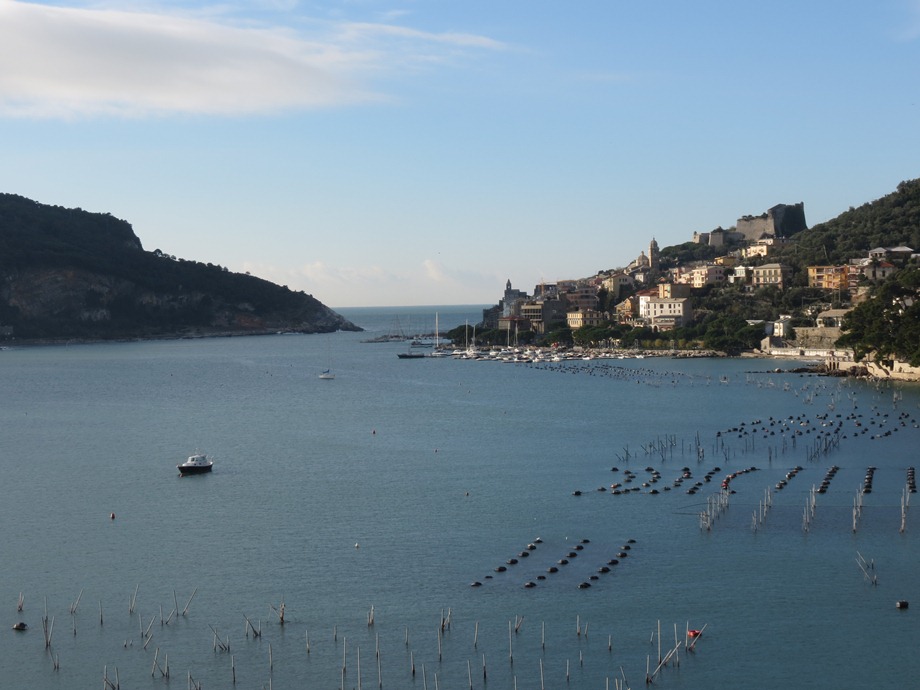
{"x": 198, "y": 463}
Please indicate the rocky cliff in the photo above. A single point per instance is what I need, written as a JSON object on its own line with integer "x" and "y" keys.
{"x": 67, "y": 273}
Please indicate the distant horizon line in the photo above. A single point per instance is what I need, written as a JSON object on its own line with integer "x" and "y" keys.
{"x": 415, "y": 306}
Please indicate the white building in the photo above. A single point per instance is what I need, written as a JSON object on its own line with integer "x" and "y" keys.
{"x": 665, "y": 313}
{"x": 707, "y": 275}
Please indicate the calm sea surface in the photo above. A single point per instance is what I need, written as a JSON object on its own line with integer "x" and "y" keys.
{"x": 388, "y": 491}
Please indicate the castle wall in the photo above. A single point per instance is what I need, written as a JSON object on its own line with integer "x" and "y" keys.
{"x": 783, "y": 220}
{"x": 754, "y": 227}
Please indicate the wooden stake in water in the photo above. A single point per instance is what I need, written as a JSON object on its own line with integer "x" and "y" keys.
{"x": 49, "y": 630}
{"x": 189, "y": 603}
{"x": 696, "y": 639}
{"x": 475, "y": 634}
{"x": 278, "y": 612}
{"x": 73, "y": 606}
{"x": 676, "y": 645}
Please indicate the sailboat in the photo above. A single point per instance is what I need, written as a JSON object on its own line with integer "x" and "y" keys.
{"x": 410, "y": 354}
{"x": 438, "y": 350}
{"x": 327, "y": 374}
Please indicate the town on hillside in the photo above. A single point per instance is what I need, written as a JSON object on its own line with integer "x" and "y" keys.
{"x": 663, "y": 298}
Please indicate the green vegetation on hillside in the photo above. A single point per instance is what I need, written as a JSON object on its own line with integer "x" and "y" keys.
{"x": 890, "y": 221}
{"x": 687, "y": 252}
{"x": 887, "y": 326}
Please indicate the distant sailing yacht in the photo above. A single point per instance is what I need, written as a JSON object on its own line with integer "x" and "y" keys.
{"x": 327, "y": 374}
{"x": 438, "y": 351}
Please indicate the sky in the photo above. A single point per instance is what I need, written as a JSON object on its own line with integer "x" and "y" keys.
{"x": 415, "y": 152}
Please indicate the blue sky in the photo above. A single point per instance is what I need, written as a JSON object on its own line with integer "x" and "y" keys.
{"x": 411, "y": 152}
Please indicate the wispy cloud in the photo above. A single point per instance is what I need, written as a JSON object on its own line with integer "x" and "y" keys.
{"x": 320, "y": 274}
{"x": 910, "y": 30}
{"x": 371, "y": 284}
{"x": 60, "y": 62}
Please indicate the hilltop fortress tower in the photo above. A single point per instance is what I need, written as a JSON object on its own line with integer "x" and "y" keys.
{"x": 783, "y": 220}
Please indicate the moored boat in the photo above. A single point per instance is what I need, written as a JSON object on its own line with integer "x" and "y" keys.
{"x": 198, "y": 463}
{"x": 410, "y": 355}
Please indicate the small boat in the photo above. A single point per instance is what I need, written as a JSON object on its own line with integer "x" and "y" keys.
{"x": 327, "y": 375}
{"x": 20, "y": 626}
{"x": 199, "y": 463}
{"x": 694, "y": 633}
{"x": 410, "y": 355}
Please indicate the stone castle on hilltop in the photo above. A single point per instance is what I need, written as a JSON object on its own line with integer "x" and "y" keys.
{"x": 778, "y": 223}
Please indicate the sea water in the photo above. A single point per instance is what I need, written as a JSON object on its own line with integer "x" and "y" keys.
{"x": 369, "y": 504}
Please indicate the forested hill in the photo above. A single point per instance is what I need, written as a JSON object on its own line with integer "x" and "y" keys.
{"x": 71, "y": 274}
{"x": 893, "y": 220}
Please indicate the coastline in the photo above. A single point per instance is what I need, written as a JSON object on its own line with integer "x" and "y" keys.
{"x": 829, "y": 365}
{"x": 36, "y": 342}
